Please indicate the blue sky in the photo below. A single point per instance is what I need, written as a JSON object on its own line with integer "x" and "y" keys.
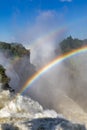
{"x": 29, "y": 20}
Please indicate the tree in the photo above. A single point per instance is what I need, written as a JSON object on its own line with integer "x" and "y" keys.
{"x": 3, "y": 77}
{"x": 5, "y": 80}
{"x": 70, "y": 44}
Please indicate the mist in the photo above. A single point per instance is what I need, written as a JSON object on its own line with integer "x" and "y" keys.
{"x": 66, "y": 82}
{"x": 18, "y": 70}
{"x": 41, "y": 44}
{"x": 63, "y": 85}
{"x": 42, "y": 35}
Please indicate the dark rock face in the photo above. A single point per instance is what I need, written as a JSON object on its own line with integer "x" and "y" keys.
{"x": 7, "y": 87}
{"x": 9, "y": 127}
{"x": 53, "y": 124}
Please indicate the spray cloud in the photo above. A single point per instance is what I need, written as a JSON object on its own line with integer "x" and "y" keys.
{"x": 67, "y": 80}
{"x": 64, "y": 83}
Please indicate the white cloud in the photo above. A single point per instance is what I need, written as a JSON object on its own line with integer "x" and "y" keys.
{"x": 46, "y": 14}
{"x": 66, "y": 0}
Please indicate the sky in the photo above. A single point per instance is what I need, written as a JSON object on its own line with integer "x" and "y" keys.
{"x": 28, "y": 21}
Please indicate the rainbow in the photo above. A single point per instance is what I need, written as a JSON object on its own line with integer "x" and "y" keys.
{"x": 53, "y": 63}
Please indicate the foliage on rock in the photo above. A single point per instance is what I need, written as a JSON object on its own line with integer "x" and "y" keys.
{"x": 70, "y": 44}
{"x": 14, "y": 49}
{"x": 3, "y": 77}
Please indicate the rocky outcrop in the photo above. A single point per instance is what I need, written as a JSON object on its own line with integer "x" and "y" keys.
{"x": 15, "y": 58}
{"x": 14, "y": 50}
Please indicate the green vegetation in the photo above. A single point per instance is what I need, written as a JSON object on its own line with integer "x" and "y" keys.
{"x": 14, "y": 49}
{"x": 3, "y": 77}
{"x": 70, "y": 44}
